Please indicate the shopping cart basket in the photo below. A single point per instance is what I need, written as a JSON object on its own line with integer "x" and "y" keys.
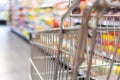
{"x": 69, "y": 54}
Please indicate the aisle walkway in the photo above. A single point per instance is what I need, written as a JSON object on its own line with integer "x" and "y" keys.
{"x": 14, "y": 54}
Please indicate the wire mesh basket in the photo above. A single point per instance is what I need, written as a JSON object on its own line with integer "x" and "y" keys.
{"x": 89, "y": 52}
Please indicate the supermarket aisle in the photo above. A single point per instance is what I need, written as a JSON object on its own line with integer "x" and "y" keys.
{"x": 14, "y": 54}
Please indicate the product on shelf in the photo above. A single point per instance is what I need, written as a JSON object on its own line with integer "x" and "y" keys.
{"x": 60, "y": 8}
{"x": 83, "y": 5}
{"x": 22, "y": 20}
{"x": 118, "y": 70}
{"x": 50, "y": 21}
{"x": 106, "y": 42}
{"x": 56, "y": 23}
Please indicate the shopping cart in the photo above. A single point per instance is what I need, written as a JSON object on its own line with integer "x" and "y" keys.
{"x": 69, "y": 54}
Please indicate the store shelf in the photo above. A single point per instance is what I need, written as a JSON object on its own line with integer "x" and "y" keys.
{"x": 107, "y": 56}
{"x": 37, "y": 9}
{"x": 110, "y": 23}
{"x": 20, "y": 34}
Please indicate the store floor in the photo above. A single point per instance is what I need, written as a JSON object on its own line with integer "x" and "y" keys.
{"x": 14, "y": 56}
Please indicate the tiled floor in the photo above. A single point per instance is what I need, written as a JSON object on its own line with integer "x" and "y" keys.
{"x": 14, "y": 56}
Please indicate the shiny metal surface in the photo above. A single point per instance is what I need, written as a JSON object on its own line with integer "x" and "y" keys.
{"x": 80, "y": 37}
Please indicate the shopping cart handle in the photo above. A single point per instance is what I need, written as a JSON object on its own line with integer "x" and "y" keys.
{"x": 74, "y": 4}
{"x": 101, "y": 7}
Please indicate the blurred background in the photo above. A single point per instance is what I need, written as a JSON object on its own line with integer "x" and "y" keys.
{"x": 4, "y": 11}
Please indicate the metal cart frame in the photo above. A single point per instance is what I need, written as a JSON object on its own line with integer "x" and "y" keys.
{"x": 48, "y": 51}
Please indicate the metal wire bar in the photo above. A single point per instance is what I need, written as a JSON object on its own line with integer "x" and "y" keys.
{"x": 114, "y": 55}
{"x": 82, "y": 42}
{"x": 108, "y": 36}
{"x": 76, "y": 2}
{"x": 118, "y": 76}
{"x": 52, "y": 66}
{"x": 36, "y": 69}
{"x": 114, "y": 4}
{"x": 91, "y": 54}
